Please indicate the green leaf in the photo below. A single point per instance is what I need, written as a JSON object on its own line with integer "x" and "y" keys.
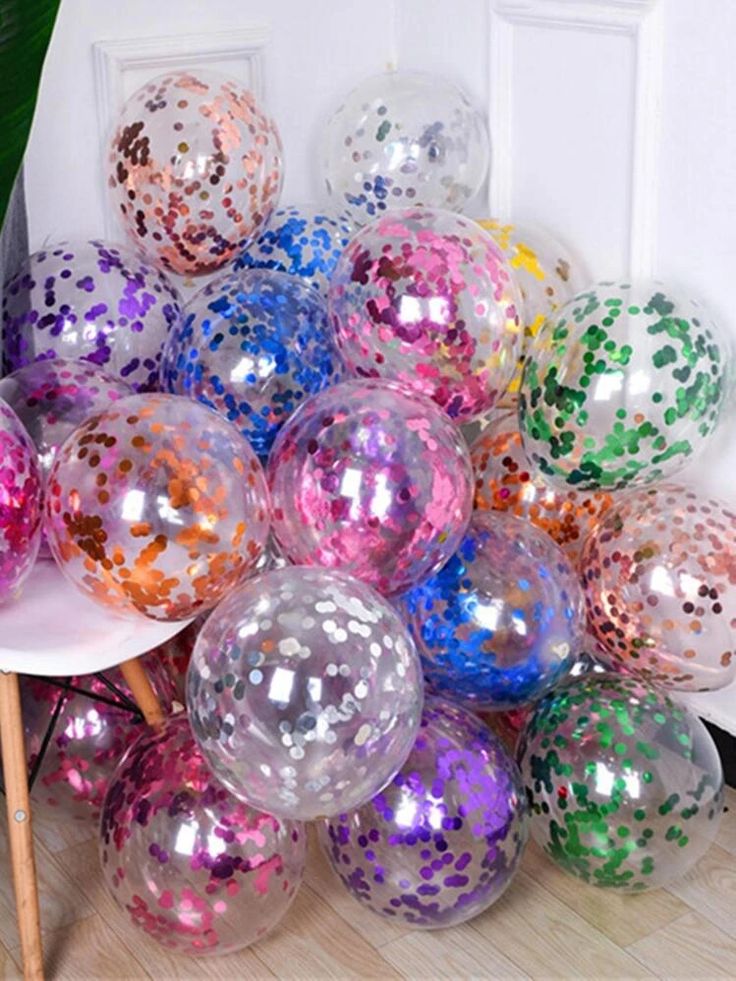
{"x": 25, "y": 30}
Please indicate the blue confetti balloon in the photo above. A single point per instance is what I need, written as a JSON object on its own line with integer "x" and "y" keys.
{"x": 503, "y": 621}
{"x": 252, "y": 345}
{"x": 300, "y": 240}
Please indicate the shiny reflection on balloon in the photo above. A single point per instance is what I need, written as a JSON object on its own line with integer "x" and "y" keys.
{"x": 373, "y": 480}
{"x": 660, "y": 585}
{"x": 193, "y": 867}
{"x": 625, "y": 786}
{"x": 443, "y": 840}
{"x": 505, "y": 480}
{"x": 97, "y": 301}
{"x": 305, "y": 692}
{"x": 502, "y": 621}
{"x": 20, "y": 504}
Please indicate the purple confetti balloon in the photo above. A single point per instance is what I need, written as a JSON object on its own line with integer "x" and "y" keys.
{"x": 20, "y": 503}
{"x": 198, "y": 870}
{"x": 443, "y": 840}
{"x": 90, "y": 300}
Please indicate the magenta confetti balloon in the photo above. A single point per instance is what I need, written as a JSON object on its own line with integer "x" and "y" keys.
{"x": 92, "y": 300}
{"x": 196, "y": 869}
{"x": 89, "y": 737}
{"x": 442, "y": 842}
{"x": 20, "y": 503}
{"x": 427, "y": 298}
{"x": 372, "y": 479}
{"x": 305, "y": 692}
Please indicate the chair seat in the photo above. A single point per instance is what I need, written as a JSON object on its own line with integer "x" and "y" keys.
{"x": 54, "y": 630}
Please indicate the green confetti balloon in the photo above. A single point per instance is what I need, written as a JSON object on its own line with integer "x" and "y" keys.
{"x": 625, "y": 787}
{"x": 621, "y": 386}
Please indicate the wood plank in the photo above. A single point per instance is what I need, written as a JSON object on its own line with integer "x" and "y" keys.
{"x": 314, "y": 942}
{"x": 459, "y": 952}
{"x": 56, "y": 832}
{"x": 549, "y": 940}
{"x": 88, "y": 949}
{"x": 691, "y": 947}
{"x": 61, "y": 899}
{"x": 82, "y": 863}
{"x": 9, "y": 970}
{"x": 622, "y": 918}
{"x": 710, "y": 888}
{"x": 726, "y": 836}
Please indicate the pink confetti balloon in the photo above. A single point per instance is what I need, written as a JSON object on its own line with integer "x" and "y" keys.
{"x": 157, "y": 506}
{"x": 20, "y": 503}
{"x": 372, "y": 479}
{"x": 89, "y": 737}
{"x": 194, "y": 169}
{"x": 198, "y": 870}
{"x": 427, "y": 298}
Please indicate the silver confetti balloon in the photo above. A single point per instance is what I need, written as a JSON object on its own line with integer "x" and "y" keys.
{"x": 305, "y": 692}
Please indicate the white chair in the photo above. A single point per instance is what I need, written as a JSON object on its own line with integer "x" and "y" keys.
{"x": 52, "y": 630}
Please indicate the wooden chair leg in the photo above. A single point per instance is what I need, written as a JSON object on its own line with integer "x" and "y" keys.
{"x": 19, "y": 826}
{"x": 143, "y": 693}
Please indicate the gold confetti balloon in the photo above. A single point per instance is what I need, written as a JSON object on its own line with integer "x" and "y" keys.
{"x": 506, "y": 481}
{"x": 546, "y": 272}
{"x": 158, "y": 507}
{"x": 194, "y": 169}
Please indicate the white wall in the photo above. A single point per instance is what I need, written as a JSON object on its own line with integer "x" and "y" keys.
{"x": 613, "y": 121}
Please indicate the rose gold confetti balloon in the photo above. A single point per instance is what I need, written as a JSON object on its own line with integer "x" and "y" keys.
{"x": 194, "y": 169}
{"x": 660, "y": 580}
{"x": 157, "y": 506}
{"x": 506, "y": 481}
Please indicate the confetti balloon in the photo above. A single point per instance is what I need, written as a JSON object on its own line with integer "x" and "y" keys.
{"x": 546, "y": 273}
{"x": 371, "y": 479}
{"x": 443, "y": 840}
{"x": 621, "y": 386}
{"x": 402, "y": 139}
{"x": 302, "y": 240}
{"x": 194, "y": 169}
{"x": 625, "y": 787}
{"x": 506, "y": 481}
{"x": 97, "y": 721}
{"x": 305, "y": 692}
{"x": 90, "y": 300}
{"x": 52, "y": 398}
{"x": 660, "y": 583}
{"x": 157, "y": 507}
{"x": 426, "y": 298}
{"x": 20, "y": 503}
{"x": 502, "y": 622}
{"x": 198, "y": 870}
{"x": 252, "y": 345}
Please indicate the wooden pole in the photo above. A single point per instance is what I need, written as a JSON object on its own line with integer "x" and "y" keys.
{"x": 19, "y": 826}
{"x": 143, "y": 693}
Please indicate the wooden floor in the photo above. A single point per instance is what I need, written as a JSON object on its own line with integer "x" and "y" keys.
{"x": 546, "y": 926}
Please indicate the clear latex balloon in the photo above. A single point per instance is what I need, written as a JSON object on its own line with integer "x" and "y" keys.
{"x": 660, "y": 584}
{"x": 305, "y": 692}
{"x": 547, "y": 274}
{"x": 373, "y": 480}
{"x": 20, "y": 503}
{"x": 403, "y": 139}
{"x": 89, "y": 737}
{"x": 194, "y": 169}
{"x": 252, "y": 345}
{"x": 52, "y": 398}
{"x": 443, "y": 840}
{"x": 621, "y": 386}
{"x": 176, "y": 653}
{"x": 92, "y": 300}
{"x": 303, "y": 240}
{"x": 505, "y": 480}
{"x": 198, "y": 870}
{"x": 157, "y": 507}
{"x": 426, "y": 298}
{"x": 625, "y": 787}
{"x": 503, "y": 620}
